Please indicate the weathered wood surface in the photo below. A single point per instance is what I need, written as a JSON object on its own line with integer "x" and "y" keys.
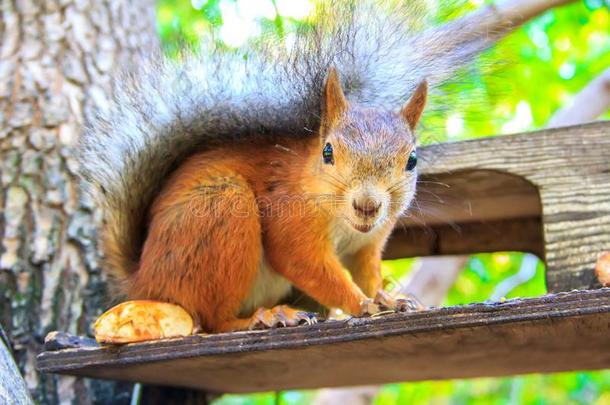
{"x": 492, "y": 194}
{"x": 568, "y": 331}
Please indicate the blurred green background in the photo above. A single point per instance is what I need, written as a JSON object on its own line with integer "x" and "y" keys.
{"x": 515, "y": 86}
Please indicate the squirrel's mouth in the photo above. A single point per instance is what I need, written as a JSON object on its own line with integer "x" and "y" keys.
{"x": 364, "y": 228}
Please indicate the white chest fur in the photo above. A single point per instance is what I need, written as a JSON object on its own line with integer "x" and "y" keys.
{"x": 346, "y": 240}
{"x": 270, "y": 287}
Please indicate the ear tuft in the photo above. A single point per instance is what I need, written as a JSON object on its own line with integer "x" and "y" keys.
{"x": 334, "y": 103}
{"x": 412, "y": 111}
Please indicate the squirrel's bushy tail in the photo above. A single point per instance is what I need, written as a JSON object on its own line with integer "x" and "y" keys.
{"x": 164, "y": 110}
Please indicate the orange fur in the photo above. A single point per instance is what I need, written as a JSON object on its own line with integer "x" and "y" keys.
{"x": 365, "y": 268}
{"x": 193, "y": 256}
{"x": 298, "y": 249}
{"x": 210, "y": 224}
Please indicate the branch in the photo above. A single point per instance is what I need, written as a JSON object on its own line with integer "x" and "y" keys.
{"x": 351, "y": 395}
{"x": 492, "y": 22}
{"x": 590, "y": 103}
{"x": 431, "y": 281}
{"x": 526, "y": 272}
{"x": 12, "y": 386}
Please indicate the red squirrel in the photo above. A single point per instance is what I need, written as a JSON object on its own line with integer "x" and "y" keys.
{"x": 226, "y": 181}
{"x": 217, "y": 245}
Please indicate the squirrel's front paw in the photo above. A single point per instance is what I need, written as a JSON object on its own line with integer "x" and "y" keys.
{"x": 398, "y": 303}
{"x": 368, "y": 307}
{"x": 281, "y": 316}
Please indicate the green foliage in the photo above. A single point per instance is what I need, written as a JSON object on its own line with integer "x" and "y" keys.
{"x": 529, "y": 75}
{"x": 516, "y": 86}
{"x": 561, "y": 388}
{"x": 485, "y": 272}
{"x": 482, "y": 276}
{"x": 578, "y": 388}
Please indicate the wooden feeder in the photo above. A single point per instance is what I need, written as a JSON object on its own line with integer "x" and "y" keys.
{"x": 546, "y": 192}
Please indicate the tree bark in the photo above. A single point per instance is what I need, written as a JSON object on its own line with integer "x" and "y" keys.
{"x": 56, "y": 58}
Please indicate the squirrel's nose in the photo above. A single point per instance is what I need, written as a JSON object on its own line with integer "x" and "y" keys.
{"x": 366, "y": 207}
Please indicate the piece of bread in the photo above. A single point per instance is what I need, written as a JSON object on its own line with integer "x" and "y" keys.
{"x": 136, "y": 321}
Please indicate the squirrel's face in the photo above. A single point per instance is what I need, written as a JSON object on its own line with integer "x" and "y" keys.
{"x": 367, "y": 168}
{"x": 367, "y": 158}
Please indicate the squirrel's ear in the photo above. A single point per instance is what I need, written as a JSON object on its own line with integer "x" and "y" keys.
{"x": 334, "y": 103}
{"x": 411, "y": 111}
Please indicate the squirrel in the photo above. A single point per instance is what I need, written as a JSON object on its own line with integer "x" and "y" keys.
{"x": 229, "y": 179}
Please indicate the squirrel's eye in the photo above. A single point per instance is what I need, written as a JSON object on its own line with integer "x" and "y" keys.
{"x": 327, "y": 154}
{"x": 412, "y": 162}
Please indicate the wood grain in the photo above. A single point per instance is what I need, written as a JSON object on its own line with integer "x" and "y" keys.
{"x": 567, "y": 331}
{"x": 559, "y": 178}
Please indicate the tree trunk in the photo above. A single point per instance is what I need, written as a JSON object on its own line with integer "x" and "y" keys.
{"x": 55, "y": 63}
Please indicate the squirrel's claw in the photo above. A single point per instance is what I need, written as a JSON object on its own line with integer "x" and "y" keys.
{"x": 307, "y": 318}
{"x": 398, "y": 303}
{"x": 281, "y": 316}
{"x": 369, "y": 307}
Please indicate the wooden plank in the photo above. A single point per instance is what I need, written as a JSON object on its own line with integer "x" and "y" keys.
{"x": 561, "y": 176}
{"x": 518, "y": 234}
{"x": 473, "y": 196}
{"x": 566, "y": 331}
